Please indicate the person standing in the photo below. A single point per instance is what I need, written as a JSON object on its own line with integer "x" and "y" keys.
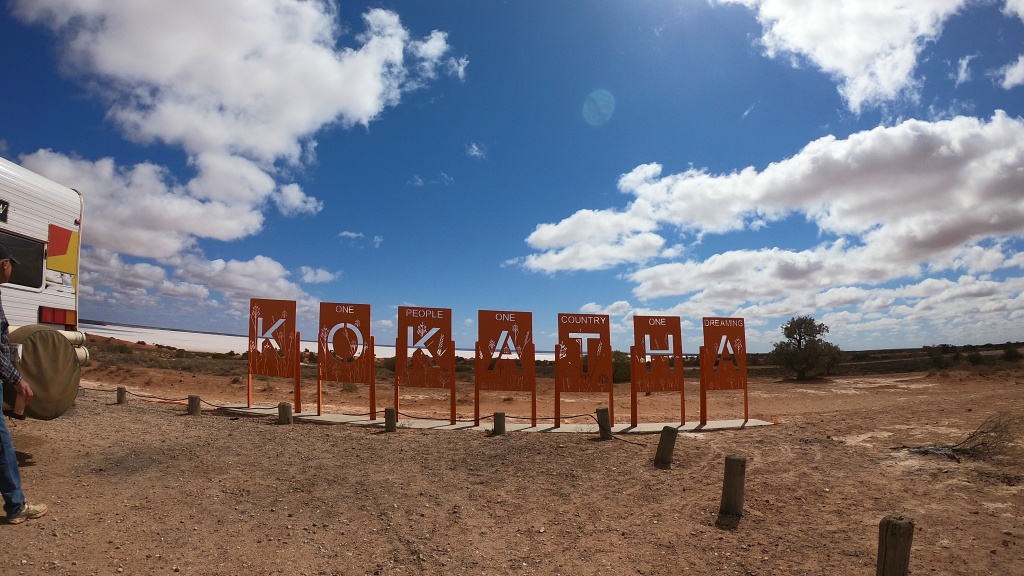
{"x": 15, "y": 507}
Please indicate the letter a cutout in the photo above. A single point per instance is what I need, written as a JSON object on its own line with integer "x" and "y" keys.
{"x": 721, "y": 357}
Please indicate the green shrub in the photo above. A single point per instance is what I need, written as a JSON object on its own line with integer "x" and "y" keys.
{"x": 1012, "y": 354}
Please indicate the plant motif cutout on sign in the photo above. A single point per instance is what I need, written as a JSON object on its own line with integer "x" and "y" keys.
{"x": 272, "y": 345}
{"x": 507, "y": 360}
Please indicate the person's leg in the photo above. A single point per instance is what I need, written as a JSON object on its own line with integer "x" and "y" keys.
{"x": 10, "y": 480}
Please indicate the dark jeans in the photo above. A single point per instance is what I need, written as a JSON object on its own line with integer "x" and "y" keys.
{"x": 10, "y": 480}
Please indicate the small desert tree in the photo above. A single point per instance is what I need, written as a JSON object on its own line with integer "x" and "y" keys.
{"x": 831, "y": 358}
{"x": 804, "y": 351}
{"x": 620, "y": 366}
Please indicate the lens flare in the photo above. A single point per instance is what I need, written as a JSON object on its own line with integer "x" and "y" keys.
{"x": 599, "y": 107}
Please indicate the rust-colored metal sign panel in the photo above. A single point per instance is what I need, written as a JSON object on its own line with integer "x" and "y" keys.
{"x": 344, "y": 343}
{"x": 345, "y": 349}
{"x": 657, "y": 354}
{"x": 583, "y": 357}
{"x": 656, "y": 360}
{"x": 273, "y": 350}
{"x": 505, "y": 351}
{"x": 425, "y": 351}
{"x": 505, "y": 356}
{"x": 724, "y": 363}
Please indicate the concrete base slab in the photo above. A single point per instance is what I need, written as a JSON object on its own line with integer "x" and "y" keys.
{"x": 423, "y": 424}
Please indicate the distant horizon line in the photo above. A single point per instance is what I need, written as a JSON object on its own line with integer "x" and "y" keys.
{"x": 123, "y": 325}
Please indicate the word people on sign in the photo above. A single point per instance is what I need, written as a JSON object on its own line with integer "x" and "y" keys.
{"x": 425, "y": 352}
{"x": 425, "y": 312}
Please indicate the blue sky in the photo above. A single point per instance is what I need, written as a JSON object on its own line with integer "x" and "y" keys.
{"x": 850, "y": 160}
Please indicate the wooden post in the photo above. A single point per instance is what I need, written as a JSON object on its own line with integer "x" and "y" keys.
{"x": 682, "y": 402}
{"x": 611, "y": 407}
{"x": 451, "y": 396}
{"x": 319, "y": 391}
{"x": 895, "y": 534}
{"x": 703, "y": 370}
{"x": 476, "y": 404}
{"x": 193, "y": 405}
{"x": 633, "y": 377}
{"x": 298, "y": 373}
{"x": 533, "y": 404}
{"x": 746, "y": 415}
{"x": 284, "y": 413}
{"x": 499, "y": 424}
{"x": 667, "y": 445}
{"x": 372, "y": 362}
{"x": 604, "y": 423}
{"x": 390, "y": 420}
{"x": 558, "y": 395}
{"x": 122, "y": 394}
{"x": 732, "y": 486}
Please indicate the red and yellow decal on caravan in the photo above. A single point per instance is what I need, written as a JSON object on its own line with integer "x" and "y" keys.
{"x": 62, "y": 250}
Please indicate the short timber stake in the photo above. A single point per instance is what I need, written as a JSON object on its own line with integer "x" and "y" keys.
{"x": 667, "y": 445}
{"x": 604, "y": 423}
{"x": 732, "y": 486}
{"x": 284, "y": 413}
{"x": 193, "y": 406}
{"x": 499, "y": 424}
{"x": 122, "y": 394}
{"x": 895, "y": 534}
{"x": 390, "y": 420}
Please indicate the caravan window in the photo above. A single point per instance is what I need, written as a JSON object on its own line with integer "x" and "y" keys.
{"x": 31, "y": 254}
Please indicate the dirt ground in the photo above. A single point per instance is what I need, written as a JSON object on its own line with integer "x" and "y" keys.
{"x": 144, "y": 488}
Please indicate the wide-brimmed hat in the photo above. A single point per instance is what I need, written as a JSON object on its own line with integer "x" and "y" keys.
{"x": 5, "y": 254}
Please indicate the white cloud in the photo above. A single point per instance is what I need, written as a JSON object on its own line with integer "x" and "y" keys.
{"x": 378, "y": 241}
{"x": 1014, "y": 8}
{"x": 584, "y": 255}
{"x": 892, "y": 203}
{"x": 474, "y": 150}
{"x": 596, "y": 239}
{"x": 291, "y": 201}
{"x": 963, "y": 69}
{"x": 870, "y": 47}
{"x": 183, "y": 291}
{"x": 243, "y": 76}
{"x": 142, "y": 284}
{"x": 99, "y": 262}
{"x": 430, "y": 51}
{"x": 242, "y": 87}
{"x": 316, "y": 275}
{"x": 350, "y": 235}
{"x": 239, "y": 280}
{"x": 1012, "y": 74}
{"x": 140, "y": 210}
{"x": 457, "y": 67}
